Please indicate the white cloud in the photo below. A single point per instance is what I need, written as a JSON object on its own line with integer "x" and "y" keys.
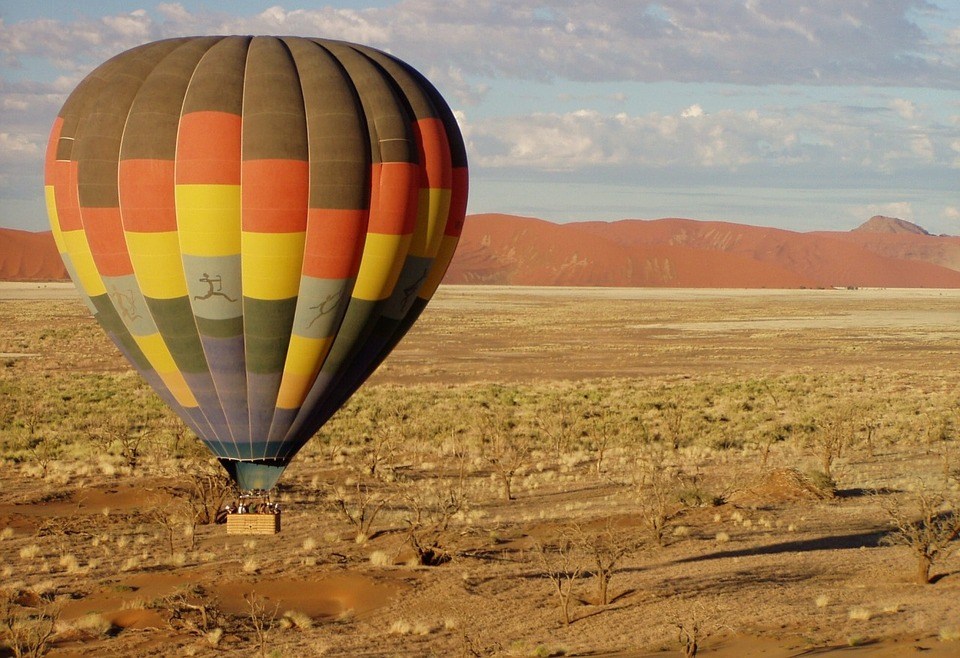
{"x": 810, "y": 139}
{"x": 758, "y": 42}
{"x": 173, "y": 11}
{"x": 17, "y": 144}
{"x": 905, "y": 108}
{"x": 898, "y": 209}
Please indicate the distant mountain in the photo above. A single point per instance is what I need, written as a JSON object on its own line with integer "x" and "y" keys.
{"x": 881, "y": 224}
{"x": 511, "y": 250}
{"x": 27, "y": 256}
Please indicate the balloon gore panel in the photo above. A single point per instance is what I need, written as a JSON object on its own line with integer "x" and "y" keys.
{"x": 255, "y": 222}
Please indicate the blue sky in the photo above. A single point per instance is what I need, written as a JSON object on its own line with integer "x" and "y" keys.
{"x": 807, "y": 115}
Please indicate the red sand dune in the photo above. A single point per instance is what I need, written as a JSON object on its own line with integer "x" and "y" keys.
{"x": 504, "y": 249}
{"x": 511, "y": 250}
{"x": 26, "y": 256}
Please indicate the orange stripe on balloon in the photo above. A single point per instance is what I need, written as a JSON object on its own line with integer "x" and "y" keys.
{"x": 458, "y": 202}
{"x": 394, "y": 198}
{"x": 208, "y": 149}
{"x": 274, "y": 195}
{"x": 51, "y": 155}
{"x": 334, "y": 243}
{"x": 435, "y": 151}
{"x": 147, "y": 195}
{"x": 107, "y": 244}
{"x": 63, "y": 174}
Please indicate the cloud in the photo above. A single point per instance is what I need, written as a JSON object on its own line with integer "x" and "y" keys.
{"x": 754, "y": 42}
{"x": 813, "y": 138}
{"x": 898, "y": 209}
{"x": 906, "y": 109}
{"x": 17, "y": 144}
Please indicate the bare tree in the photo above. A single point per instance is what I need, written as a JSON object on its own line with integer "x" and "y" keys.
{"x": 28, "y": 634}
{"x": 207, "y": 489}
{"x": 673, "y": 414}
{"x": 561, "y": 562}
{"x": 192, "y": 611}
{"x": 604, "y": 548}
{"x": 602, "y": 430}
{"x": 260, "y": 619}
{"x": 431, "y": 505}
{"x": 173, "y": 517}
{"x": 128, "y": 439}
{"x": 359, "y": 506}
{"x": 506, "y": 450}
{"x": 655, "y": 482}
{"x": 389, "y": 427}
{"x": 927, "y": 526}
{"x": 557, "y": 425}
{"x": 834, "y": 432}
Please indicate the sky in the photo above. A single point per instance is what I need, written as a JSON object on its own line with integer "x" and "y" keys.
{"x": 805, "y": 115}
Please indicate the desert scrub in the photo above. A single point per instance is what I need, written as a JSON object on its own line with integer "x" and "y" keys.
{"x": 926, "y": 521}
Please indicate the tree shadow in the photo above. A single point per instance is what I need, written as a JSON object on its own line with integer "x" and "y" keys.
{"x": 859, "y": 492}
{"x": 868, "y": 539}
{"x": 837, "y": 648}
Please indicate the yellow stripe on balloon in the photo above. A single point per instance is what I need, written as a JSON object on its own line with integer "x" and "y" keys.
{"x": 178, "y": 387}
{"x": 380, "y": 265}
{"x": 208, "y": 219}
{"x": 432, "y": 210}
{"x": 271, "y": 264}
{"x": 305, "y": 354}
{"x": 304, "y": 358}
{"x": 156, "y": 263}
{"x": 156, "y": 352}
{"x": 439, "y": 268}
{"x": 51, "y": 198}
{"x": 76, "y": 245}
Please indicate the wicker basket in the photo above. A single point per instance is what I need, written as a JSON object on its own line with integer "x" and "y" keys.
{"x": 253, "y": 524}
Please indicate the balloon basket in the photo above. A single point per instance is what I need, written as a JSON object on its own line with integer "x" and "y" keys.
{"x": 253, "y": 514}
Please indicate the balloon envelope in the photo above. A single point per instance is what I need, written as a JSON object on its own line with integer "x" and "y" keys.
{"x": 255, "y": 222}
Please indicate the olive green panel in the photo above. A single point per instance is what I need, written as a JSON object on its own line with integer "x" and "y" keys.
{"x": 420, "y": 103}
{"x": 229, "y": 328}
{"x": 336, "y": 129}
{"x": 217, "y": 84}
{"x": 85, "y": 97}
{"x": 174, "y": 320}
{"x": 274, "y": 125}
{"x": 439, "y": 107}
{"x": 388, "y": 120}
{"x": 151, "y": 130}
{"x": 266, "y": 329}
{"x": 109, "y": 319}
{"x": 358, "y": 322}
{"x": 98, "y": 143}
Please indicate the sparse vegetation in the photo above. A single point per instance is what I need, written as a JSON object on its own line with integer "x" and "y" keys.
{"x": 927, "y": 521}
{"x": 482, "y": 480}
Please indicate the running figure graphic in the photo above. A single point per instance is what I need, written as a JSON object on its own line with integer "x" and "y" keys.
{"x": 126, "y": 304}
{"x": 326, "y": 306}
{"x": 218, "y": 280}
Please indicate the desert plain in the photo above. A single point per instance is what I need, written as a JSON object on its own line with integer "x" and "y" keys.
{"x": 532, "y": 472}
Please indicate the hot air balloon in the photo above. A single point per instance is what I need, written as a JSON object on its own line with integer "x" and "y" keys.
{"x": 255, "y": 222}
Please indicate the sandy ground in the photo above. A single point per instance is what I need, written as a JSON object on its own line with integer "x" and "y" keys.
{"x": 764, "y": 575}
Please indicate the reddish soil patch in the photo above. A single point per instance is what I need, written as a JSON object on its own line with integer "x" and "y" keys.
{"x": 321, "y": 598}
